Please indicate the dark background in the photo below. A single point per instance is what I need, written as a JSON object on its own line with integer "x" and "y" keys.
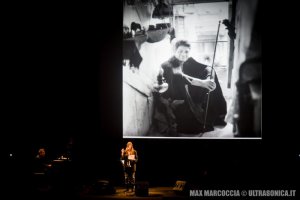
{"x": 61, "y": 74}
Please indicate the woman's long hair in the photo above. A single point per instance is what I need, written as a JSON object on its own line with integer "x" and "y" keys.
{"x": 129, "y": 151}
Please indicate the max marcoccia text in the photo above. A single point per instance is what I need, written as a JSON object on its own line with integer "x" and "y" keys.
{"x": 214, "y": 193}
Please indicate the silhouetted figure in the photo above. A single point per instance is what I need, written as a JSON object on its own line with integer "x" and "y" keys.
{"x": 42, "y": 181}
{"x": 42, "y": 164}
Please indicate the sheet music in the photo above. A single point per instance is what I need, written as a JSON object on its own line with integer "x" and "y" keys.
{"x": 131, "y": 157}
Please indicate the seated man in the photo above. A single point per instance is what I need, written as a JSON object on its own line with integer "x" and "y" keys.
{"x": 41, "y": 162}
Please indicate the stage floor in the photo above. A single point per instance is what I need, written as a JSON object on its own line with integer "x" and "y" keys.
{"x": 154, "y": 193}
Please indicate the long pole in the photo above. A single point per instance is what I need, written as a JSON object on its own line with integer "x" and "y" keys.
{"x": 211, "y": 76}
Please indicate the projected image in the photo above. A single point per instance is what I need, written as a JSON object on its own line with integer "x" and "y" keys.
{"x": 186, "y": 72}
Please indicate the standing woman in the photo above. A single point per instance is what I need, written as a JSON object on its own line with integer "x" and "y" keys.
{"x": 129, "y": 159}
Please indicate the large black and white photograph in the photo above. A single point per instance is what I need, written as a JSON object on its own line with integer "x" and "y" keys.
{"x": 191, "y": 69}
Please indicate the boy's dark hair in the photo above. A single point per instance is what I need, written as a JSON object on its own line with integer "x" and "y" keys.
{"x": 184, "y": 43}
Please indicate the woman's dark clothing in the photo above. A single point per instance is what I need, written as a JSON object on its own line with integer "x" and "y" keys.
{"x": 129, "y": 167}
